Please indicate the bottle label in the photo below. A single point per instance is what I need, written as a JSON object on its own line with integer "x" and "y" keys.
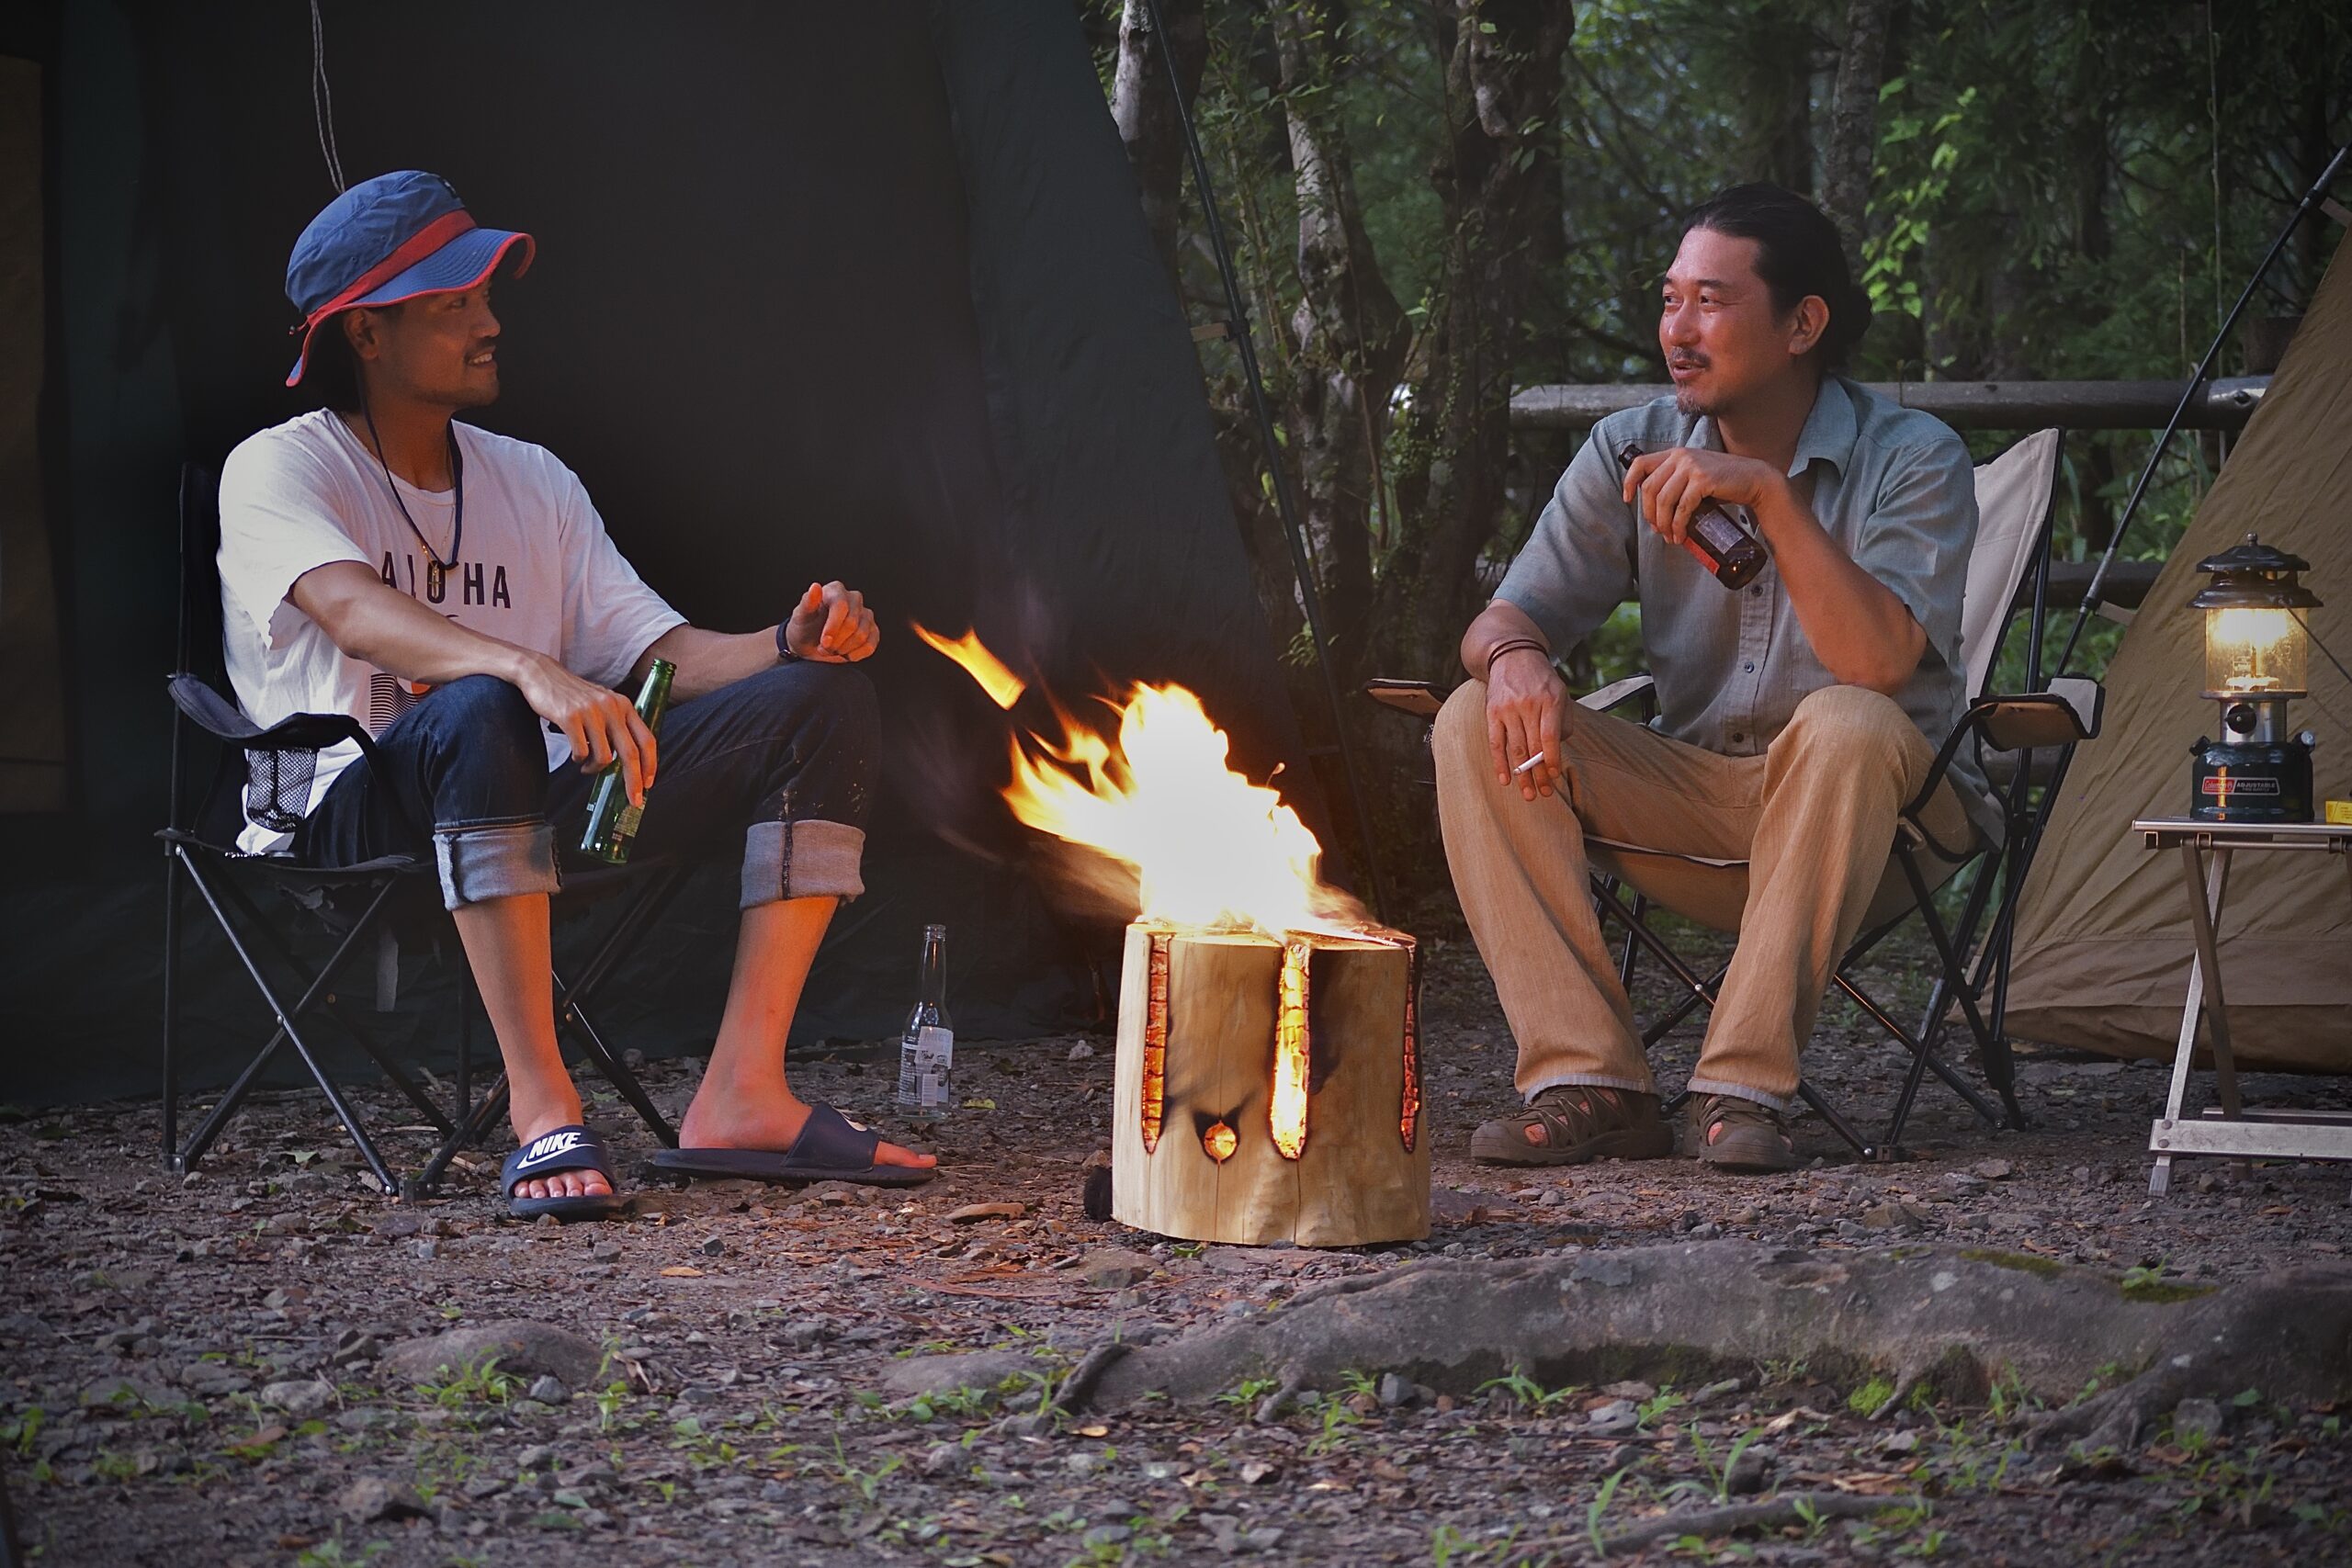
{"x": 625, "y": 820}
{"x": 934, "y": 1057}
{"x": 1720, "y": 533}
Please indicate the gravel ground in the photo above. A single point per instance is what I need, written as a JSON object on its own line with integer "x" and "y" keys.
{"x": 190, "y": 1372}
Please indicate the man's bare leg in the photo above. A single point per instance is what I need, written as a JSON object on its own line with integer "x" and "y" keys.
{"x": 744, "y": 1102}
{"x": 508, "y": 946}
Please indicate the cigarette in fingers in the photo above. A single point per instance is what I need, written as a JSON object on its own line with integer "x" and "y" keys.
{"x": 1528, "y": 766}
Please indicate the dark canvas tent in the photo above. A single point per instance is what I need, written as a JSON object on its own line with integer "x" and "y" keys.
{"x": 857, "y": 291}
{"x": 2103, "y": 944}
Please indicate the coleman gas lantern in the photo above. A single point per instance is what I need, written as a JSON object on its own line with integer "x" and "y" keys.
{"x": 2257, "y": 656}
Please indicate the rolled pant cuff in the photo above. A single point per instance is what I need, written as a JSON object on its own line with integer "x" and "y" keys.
{"x": 1738, "y": 1091}
{"x": 1590, "y": 1080}
{"x": 801, "y": 860}
{"x": 501, "y": 861}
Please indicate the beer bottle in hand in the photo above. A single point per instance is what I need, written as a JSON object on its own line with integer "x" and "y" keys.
{"x": 612, "y": 818}
{"x": 1729, "y": 550}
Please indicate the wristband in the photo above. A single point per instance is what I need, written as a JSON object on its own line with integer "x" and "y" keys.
{"x": 782, "y": 649}
{"x": 1513, "y": 645}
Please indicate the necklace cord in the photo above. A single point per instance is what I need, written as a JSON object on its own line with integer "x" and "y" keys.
{"x": 456, "y": 481}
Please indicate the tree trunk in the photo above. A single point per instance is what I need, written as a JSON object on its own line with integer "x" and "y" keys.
{"x": 1853, "y": 120}
{"x": 1347, "y": 330}
{"x": 1502, "y": 78}
{"x": 1145, "y": 110}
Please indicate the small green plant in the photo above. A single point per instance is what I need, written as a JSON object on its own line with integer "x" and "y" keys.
{"x": 1249, "y": 1391}
{"x": 1338, "y": 1423}
{"x": 478, "y": 1382}
{"x": 1599, "y": 1507}
{"x": 333, "y": 1554}
{"x": 1871, "y": 1397}
{"x": 1446, "y": 1543}
{"x": 1657, "y": 1405}
{"x": 867, "y": 1483}
{"x": 20, "y": 1432}
{"x": 1719, "y": 1477}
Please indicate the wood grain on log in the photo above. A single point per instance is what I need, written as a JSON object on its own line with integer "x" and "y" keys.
{"x": 1204, "y": 1162}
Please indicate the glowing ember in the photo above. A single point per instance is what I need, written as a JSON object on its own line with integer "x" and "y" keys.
{"x": 1207, "y": 847}
{"x": 1220, "y": 1141}
{"x": 1408, "y": 1118}
{"x": 1286, "y": 1112}
{"x": 1155, "y": 1042}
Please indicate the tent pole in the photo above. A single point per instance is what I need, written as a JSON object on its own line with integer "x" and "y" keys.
{"x": 2092, "y": 598}
{"x": 1285, "y": 502}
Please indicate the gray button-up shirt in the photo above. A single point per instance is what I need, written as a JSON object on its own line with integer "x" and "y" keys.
{"x": 1895, "y": 487}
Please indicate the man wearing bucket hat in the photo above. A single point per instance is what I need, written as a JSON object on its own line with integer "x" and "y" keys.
{"x": 455, "y": 591}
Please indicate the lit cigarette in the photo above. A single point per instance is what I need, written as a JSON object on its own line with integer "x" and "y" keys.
{"x": 1528, "y": 766}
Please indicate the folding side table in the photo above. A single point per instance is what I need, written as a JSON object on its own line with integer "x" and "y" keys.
{"x": 2230, "y": 1128}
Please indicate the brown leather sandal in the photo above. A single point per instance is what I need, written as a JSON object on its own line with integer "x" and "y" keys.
{"x": 1580, "y": 1122}
{"x": 1732, "y": 1133}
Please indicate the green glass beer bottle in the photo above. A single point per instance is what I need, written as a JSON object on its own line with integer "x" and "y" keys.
{"x": 612, "y": 818}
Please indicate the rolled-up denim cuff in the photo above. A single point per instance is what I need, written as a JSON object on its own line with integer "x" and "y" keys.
{"x": 500, "y": 861}
{"x": 801, "y": 860}
{"x": 1738, "y": 1091}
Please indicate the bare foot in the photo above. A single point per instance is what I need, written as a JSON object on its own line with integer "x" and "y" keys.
{"x": 546, "y": 1118}
{"x": 726, "y": 1121}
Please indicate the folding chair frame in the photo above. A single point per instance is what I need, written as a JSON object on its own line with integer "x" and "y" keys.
{"x": 379, "y": 885}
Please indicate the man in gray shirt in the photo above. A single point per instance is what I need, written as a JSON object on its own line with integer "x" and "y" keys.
{"x": 1799, "y": 712}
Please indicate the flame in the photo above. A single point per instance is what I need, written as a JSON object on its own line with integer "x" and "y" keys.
{"x": 1208, "y": 848}
{"x": 1286, "y": 1111}
{"x": 1003, "y": 687}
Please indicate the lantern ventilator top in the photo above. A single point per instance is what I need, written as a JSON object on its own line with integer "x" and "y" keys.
{"x": 2257, "y": 654}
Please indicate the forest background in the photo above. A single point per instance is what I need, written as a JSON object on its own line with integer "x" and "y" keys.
{"x": 1434, "y": 202}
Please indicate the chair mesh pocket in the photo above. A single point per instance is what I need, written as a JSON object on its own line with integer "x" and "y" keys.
{"x": 278, "y": 788}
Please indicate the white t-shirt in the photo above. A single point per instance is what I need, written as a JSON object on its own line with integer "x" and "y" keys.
{"x": 535, "y": 569}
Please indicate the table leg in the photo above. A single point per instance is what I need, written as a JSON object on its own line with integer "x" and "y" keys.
{"x": 2205, "y": 920}
{"x": 2175, "y": 1097}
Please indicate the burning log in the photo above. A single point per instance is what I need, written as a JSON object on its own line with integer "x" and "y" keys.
{"x": 1269, "y": 1074}
{"x": 1268, "y": 1091}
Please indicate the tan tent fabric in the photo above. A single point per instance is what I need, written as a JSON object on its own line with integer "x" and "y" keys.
{"x": 2103, "y": 946}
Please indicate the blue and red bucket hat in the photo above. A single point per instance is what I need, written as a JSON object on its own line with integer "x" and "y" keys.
{"x": 394, "y": 238}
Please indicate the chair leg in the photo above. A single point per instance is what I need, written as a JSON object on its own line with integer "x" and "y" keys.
{"x": 365, "y": 1042}
{"x": 171, "y": 901}
{"x": 289, "y": 1034}
{"x": 472, "y": 1129}
{"x": 1986, "y": 1051}
{"x": 1837, "y": 1124}
{"x": 616, "y": 1071}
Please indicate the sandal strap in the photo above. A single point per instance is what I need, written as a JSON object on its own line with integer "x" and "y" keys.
{"x": 575, "y": 1147}
{"x": 1567, "y": 1112}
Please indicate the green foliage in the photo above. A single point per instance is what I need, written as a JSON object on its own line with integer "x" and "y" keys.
{"x": 1871, "y": 1397}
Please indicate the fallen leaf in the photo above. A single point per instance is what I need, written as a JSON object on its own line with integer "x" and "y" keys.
{"x": 680, "y": 1272}
{"x": 1095, "y": 1430}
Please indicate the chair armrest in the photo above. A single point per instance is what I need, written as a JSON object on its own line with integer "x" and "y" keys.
{"x": 2069, "y": 711}
{"x": 219, "y": 718}
{"x": 1617, "y": 694}
{"x": 1421, "y": 699}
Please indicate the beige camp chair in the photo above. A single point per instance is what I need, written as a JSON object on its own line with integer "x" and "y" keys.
{"x": 2012, "y": 734}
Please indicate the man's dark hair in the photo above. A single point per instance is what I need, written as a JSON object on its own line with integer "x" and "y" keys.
{"x": 1797, "y": 253}
{"x": 332, "y": 375}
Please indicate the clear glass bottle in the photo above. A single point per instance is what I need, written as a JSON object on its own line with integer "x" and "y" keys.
{"x": 927, "y": 1049}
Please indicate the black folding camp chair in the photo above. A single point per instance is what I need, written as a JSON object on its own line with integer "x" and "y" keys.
{"x": 2025, "y": 741}
{"x": 220, "y": 758}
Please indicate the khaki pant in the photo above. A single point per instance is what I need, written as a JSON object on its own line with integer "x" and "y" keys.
{"x": 1813, "y": 818}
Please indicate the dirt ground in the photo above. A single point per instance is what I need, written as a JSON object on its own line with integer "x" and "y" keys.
{"x": 190, "y": 1373}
